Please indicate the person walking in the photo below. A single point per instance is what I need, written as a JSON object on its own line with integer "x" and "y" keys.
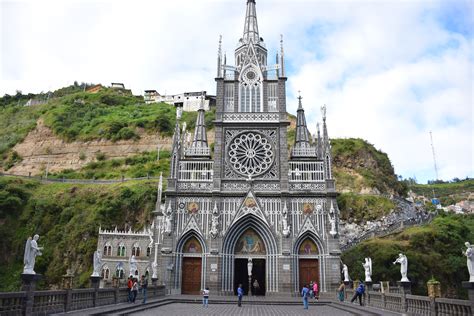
{"x": 205, "y": 297}
{"x": 134, "y": 290}
{"x": 305, "y": 295}
{"x": 315, "y": 290}
{"x": 240, "y": 293}
{"x": 358, "y": 294}
{"x": 129, "y": 288}
{"x": 311, "y": 292}
{"x": 340, "y": 292}
{"x": 144, "y": 287}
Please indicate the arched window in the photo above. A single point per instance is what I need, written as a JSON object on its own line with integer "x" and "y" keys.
{"x": 107, "y": 249}
{"x": 121, "y": 250}
{"x": 119, "y": 273}
{"x": 105, "y": 274}
{"x": 136, "y": 250}
{"x": 148, "y": 251}
{"x": 250, "y": 92}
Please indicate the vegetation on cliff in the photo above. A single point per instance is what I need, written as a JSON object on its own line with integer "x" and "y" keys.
{"x": 447, "y": 193}
{"x": 67, "y": 218}
{"x": 432, "y": 250}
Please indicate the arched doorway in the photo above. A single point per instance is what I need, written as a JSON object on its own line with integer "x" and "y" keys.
{"x": 308, "y": 263}
{"x": 250, "y": 259}
{"x": 191, "y": 266}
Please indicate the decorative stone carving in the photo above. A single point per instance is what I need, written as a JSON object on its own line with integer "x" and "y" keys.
{"x": 97, "y": 263}
{"x": 133, "y": 265}
{"x": 168, "y": 219}
{"x": 31, "y": 251}
{"x": 469, "y": 253}
{"x": 345, "y": 272}
{"x": 368, "y": 269}
{"x": 286, "y": 227}
{"x": 403, "y": 261}
{"x": 251, "y": 154}
{"x": 332, "y": 220}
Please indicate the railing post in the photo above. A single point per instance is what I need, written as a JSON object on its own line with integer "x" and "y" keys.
{"x": 29, "y": 285}
{"x": 432, "y": 306}
{"x": 95, "y": 281}
{"x": 383, "y": 301}
{"x": 405, "y": 288}
{"x": 68, "y": 300}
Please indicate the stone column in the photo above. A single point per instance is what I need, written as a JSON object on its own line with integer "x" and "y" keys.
{"x": 405, "y": 288}
{"x": 29, "y": 285}
{"x": 470, "y": 291}
{"x": 95, "y": 282}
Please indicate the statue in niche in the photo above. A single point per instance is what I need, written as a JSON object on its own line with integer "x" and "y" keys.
{"x": 214, "y": 223}
{"x": 168, "y": 219}
{"x": 469, "y": 253}
{"x": 368, "y": 269}
{"x": 332, "y": 220}
{"x": 97, "y": 263}
{"x": 31, "y": 251}
{"x": 249, "y": 266}
{"x": 403, "y": 261}
{"x": 286, "y": 227}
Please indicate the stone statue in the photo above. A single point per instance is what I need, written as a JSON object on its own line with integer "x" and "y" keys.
{"x": 249, "y": 266}
{"x": 168, "y": 225}
{"x": 31, "y": 251}
{"x": 469, "y": 253}
{"x": 154, "y": 267}
{"x": 345, "y": 271}
{"x": 286, "y": 227}
{"x": 97, "y": 263}
{"x": 214, "y": 223}
{"x": 332, "y": 220}
{"x": 133, "y": 265}
{"x": 403, "y": 261}
{"x": 368, "y": 269}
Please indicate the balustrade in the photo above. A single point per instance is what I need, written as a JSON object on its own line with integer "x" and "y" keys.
{"x": 196, "y": 171}
{"x": 307, "y": 171}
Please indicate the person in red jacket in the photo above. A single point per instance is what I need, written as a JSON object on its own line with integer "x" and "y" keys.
{"x": 129, "y": 288}
{"x": 315, "y": 290}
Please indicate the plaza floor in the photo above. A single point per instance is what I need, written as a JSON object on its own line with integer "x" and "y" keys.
{"x": 253, "y": 310}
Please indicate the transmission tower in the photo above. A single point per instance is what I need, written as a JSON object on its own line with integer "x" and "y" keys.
{"x": 434, "y": 156}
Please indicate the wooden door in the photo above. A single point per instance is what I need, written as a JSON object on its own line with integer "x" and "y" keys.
{"x": 309, "y": 271}
{"x": 191, "y": 281}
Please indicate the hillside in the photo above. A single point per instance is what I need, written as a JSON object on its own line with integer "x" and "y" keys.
{"x": 432, "y": 250}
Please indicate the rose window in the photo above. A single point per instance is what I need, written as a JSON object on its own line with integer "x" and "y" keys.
{"x": 251, "y": 154}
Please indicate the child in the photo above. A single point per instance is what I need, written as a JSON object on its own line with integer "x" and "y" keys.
{"x": 205, "y": 297}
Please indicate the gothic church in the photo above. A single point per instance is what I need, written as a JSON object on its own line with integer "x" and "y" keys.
{"x": 254, "y": 212}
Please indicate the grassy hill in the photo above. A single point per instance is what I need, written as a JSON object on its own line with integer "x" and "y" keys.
{"x": 433, "y": 250}
{"x": 448, "y": 193}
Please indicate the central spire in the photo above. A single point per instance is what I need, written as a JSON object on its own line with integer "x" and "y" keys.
{"x": 251, "y": 26}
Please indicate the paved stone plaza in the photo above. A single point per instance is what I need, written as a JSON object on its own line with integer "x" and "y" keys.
{"x": 226, "y": 309}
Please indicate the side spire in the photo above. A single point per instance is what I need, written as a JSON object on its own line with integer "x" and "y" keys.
{"x": 302, "y": 146}
{"x": 219, "y": 58}
{"x": 199, "y": 147}
{"x": 282, "y": 57}
{"x": 251, "y": 26}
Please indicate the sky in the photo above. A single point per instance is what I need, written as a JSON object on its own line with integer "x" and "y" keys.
{"x": 388, "y": 71}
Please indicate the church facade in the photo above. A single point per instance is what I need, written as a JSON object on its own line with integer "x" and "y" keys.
{"x": 257, "y": 210}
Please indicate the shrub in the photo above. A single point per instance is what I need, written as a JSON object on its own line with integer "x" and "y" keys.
{"x": 100, "y": 156}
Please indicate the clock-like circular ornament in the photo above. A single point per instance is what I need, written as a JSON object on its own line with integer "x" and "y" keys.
{"x": 250, "y": 75}
{"x": 251, "y": 154}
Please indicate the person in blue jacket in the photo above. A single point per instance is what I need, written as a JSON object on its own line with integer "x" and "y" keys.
{"x": 305, "y": 295}
{"x": 240, "y": 293}
{"x": 358, "y": 293}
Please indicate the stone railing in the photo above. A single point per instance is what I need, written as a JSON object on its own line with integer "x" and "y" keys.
{"x": 61, "y": 301}
{"x": 414, "y": 304}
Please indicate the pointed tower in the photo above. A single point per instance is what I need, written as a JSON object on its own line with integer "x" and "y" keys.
{"x": 219, "y": 58}
{"x": 302, "y": 146}
{"x": 251, "y": 25}
{"x": 175, "y": 151}
{"x": 319, "y": 144}
{"x": 326, "y": 144}
{"x": 199, "y": 147}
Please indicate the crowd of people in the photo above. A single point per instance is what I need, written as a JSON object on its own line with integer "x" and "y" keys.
{"x": 133, "y": 286}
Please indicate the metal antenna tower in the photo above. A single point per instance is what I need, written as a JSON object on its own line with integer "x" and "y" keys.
{"x": 434, "y": 155}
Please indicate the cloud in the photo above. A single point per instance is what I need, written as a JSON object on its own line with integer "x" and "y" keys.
{"x": 389, "y": 71}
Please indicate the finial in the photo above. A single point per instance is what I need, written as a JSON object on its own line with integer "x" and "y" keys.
{"x": 300, "y": 105}
{"x": 317, "y": 127}
{"x": 323, "y": 111}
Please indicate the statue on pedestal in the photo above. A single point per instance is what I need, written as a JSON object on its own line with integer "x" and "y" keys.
{"x": 133, "y": 266}
{"x": 154, "y": 267}
{"x": 31, "y": 251}
{"x": 97, "y": 263}
{"x": 403, "y": 261}
{"x": 368, "y": 269}
{"x": 249, "y": 266}
{"x": 345, "y": 271}
{"x": 469, "y": 253}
